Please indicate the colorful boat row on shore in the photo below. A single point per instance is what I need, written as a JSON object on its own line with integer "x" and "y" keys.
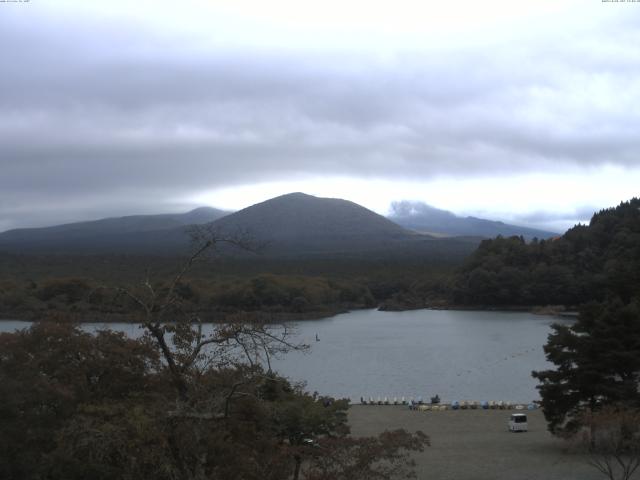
{"x": 419, "y": 404}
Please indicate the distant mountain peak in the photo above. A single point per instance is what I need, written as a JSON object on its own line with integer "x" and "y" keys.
{"x": 422, "y": 217}
{"x": 203, "y": 210}
{"x": 301, "y": 196}
{"x": 407, "y": 208}
{"x": 300, "y": 221}
{"x": 294, "y": 195}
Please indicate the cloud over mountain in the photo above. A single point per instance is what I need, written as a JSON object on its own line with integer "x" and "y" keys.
{"x": 105, "y": 108}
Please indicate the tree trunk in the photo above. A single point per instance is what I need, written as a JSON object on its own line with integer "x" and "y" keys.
{"x": 296, "y": 473}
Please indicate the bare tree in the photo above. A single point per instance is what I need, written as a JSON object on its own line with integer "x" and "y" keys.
{"x": 611, "y": 437}
{"x": 178, "y": 332}
{"x": 234, "y": 351}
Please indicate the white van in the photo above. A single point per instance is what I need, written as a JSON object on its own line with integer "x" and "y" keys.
{"x": 518, "y": 422}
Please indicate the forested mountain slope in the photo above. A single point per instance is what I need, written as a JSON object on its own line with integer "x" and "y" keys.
{"x": 589, "y": 262}
{"x": 117, "y": 234}
{"x": 298, "y": 222}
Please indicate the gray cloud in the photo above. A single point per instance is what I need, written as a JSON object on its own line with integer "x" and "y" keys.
{"x": 118, "y": 115}
{"x": 583, "y": 214}
{"x": 558, "y": 221}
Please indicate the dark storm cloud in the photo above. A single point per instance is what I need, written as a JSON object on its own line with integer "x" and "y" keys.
{"x": 110, "y": 113}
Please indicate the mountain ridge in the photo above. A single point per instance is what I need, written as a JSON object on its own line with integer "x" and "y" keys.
{"x": 139, "y": 222}
{"x": 422, "y": 217}
{"x": 81, "y": 236}
{"x": 290, "y": 224}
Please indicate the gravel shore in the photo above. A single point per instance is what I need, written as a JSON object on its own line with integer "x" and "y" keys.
{"x": 476, "y": 445}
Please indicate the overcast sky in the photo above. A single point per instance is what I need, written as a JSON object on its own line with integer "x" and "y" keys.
{"x": 525, "y": 111}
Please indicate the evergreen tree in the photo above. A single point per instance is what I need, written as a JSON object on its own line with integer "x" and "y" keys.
{"x": 597, "y": 363}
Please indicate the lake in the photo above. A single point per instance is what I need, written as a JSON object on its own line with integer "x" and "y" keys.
{"x": 460, "y": 355}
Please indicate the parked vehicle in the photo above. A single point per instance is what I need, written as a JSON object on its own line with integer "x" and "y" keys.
{"x": 518, "y": 423}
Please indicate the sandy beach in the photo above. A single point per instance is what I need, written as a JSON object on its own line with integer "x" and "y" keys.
{"x": 476, "y": 445}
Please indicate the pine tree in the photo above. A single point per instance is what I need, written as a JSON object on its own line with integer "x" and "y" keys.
{"x": 597, "y": 363}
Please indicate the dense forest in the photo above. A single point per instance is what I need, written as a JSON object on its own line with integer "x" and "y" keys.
{"x": 590, "y": 262}
{"x": 86, "y": 299}
{"x": 84, "y": 287}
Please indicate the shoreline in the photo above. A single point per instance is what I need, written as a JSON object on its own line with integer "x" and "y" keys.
{"x": 212, "y": 317}
{"x": 559, "y": 310}
{"x": 283, "y": 317}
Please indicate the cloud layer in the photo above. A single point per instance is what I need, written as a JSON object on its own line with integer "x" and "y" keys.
{"x": 122, "y": 114}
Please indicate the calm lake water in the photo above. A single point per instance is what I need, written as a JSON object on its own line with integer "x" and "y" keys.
{"x": 460, "y": 355}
